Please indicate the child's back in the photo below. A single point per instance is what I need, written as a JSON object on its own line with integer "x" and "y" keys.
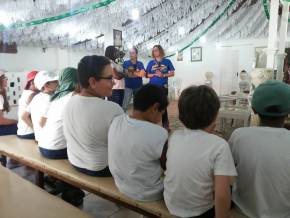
{"x": 194, "y": 157}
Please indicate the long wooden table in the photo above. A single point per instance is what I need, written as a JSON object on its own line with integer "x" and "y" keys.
{"x": 19, "y": 198}
{"x": 26, "y": 152}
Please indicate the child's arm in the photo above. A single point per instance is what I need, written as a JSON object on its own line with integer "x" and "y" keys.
{"x": 6, "y": 121}
{"x": 222, "y": 196}
{"x": 27, "y": 119}
{"x": 163, "y": 156}
{"x": 42, "y": 122}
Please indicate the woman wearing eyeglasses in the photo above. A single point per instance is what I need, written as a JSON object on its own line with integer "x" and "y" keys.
{"x": 7, "y": 126}
{"x": 159, "y": 70}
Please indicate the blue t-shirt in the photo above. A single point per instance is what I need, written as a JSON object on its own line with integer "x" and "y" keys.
{"x": 164, "y": 66}
{"x": 133, "y": 83}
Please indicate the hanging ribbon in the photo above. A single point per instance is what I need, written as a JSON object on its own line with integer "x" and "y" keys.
{"x": 266, "y": 8}
{"x": 206, "y": 29}
{"x": 72, "y": 13}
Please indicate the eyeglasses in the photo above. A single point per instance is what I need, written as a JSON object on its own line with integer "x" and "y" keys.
{"x": 105, "y": 78}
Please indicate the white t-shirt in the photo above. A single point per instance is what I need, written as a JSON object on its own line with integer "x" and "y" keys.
{"x": 38, "y": 108}
{"x": 194, "y": 157}
{"x": 23, "y": 128}
{"x": 262, "y": 157}
{"x": 86, "y": 126}
{"x": 52, "y": 137}
{"x": 135, "y": 148}
{"x": 1, "y": 103}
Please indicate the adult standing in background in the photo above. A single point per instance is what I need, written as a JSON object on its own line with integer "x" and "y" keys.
{"x": 119, "y": 85}
{"x": 7, "y": 126}
{"x": 158, "y": 70}
{"x": 134, "y": 81}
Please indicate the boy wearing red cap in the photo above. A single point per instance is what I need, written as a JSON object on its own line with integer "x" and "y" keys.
{"x": 24, "y": 131}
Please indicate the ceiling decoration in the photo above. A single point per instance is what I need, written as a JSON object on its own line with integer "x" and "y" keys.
{"x": 175, "y": 24}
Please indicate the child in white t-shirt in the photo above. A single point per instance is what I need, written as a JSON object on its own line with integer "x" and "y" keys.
{"x": 87, "y": 117}
{"x": 36, "y": 112}
{"x": 136, "y": 145}
{"x": 262, "y": 155}
{"x": 52, "y": 143}
{"x": 199, "y": 164}
{"x": 24, "y": 131}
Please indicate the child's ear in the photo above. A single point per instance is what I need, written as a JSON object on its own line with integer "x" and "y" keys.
{"x": 155, "y": 107}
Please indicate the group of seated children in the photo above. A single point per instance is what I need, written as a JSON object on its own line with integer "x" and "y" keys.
{"x": 193, "y": 169}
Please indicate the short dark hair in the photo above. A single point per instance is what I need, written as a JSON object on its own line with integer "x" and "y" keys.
{"x": 111, "y": 52}
{"x": 198, "y": 107}
{"x": 161, "y": 50}
{"x": 91, "y": 66}
{"x": 149, "y": 95}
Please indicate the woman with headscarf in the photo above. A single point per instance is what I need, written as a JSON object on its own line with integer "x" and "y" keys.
{"x": 52, "y": 143}
{"x": 7, "y": 126}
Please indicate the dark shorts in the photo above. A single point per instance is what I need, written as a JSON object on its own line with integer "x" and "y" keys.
{"x": 54, "y": 154}
{"x": 8, "y": 129}
{"x": 102, "y": 173}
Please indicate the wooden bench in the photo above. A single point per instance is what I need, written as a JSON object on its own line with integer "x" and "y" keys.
{"x": 20, "y": 198}
{"x": 26, "y": 152}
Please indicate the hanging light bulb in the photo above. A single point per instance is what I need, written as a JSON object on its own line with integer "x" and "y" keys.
{"x": 135, "y": 14}
{"x": 203, "y": 39}
{"x": 181, "y": 30}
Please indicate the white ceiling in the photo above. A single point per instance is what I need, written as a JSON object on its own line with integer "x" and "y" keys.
{"x": 160, "y": 22}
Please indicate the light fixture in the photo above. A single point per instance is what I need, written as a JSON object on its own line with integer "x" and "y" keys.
{"x": 4, "y": 19}
{"x": 181, "y": 31}
{"x": 203, "y": 39}
{"x": 129, "y": 45}
{"x": 135, "y": 14}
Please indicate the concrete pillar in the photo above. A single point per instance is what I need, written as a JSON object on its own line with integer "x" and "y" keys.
{"x": 282, "y": 41}
{"x": 272, "y": 38}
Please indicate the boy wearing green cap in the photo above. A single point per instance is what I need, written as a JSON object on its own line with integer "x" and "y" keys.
{"x": 262, "y": 155}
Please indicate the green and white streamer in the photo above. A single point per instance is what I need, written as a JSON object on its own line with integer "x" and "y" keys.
{"x": 72, "y": 13}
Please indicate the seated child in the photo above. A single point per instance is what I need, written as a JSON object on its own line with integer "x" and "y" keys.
{"x": 52, "y": 143}
{"x": 199, "y": 164}
{"x": 24, "y": 131}
{"x": 36, "y": 111}
{"x": 87, "y": 117}
{"x": 262, "y": 155}
{"x": 136, "y": 144}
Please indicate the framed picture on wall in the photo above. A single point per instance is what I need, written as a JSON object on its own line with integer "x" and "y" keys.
{"x": 179, "y": 56}
{"x": 117, "y": 36}
{"x": 196, "y": 54}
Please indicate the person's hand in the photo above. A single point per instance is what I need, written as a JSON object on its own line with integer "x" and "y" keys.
{"x": 159, "y": 74}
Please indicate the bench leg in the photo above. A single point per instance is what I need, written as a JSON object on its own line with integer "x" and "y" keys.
{"x": 3, "y": 160}
{"x": 40, "y": 179}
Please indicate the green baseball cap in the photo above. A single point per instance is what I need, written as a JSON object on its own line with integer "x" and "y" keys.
{"x": 272, "y": 99}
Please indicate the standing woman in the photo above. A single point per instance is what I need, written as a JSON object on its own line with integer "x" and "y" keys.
{"x": 119, "y": 83}
{"x": 7, "y": 126}
{"x": 158, "y": 70}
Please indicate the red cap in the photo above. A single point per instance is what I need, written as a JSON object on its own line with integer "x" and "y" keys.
{"x": 30, "y": 76}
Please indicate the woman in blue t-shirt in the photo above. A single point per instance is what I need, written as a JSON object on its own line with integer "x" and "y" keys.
{"x": 158, "y": 70}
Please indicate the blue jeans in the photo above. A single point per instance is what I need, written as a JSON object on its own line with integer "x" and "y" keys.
{"x": 29, "y": 136}
{"x": 101, "y": 173}
{"x": 117, "y": 96}
{"x": 8, "y": 129}
{"x": 129, "y": 93}
{"x": 54, "y": 154}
